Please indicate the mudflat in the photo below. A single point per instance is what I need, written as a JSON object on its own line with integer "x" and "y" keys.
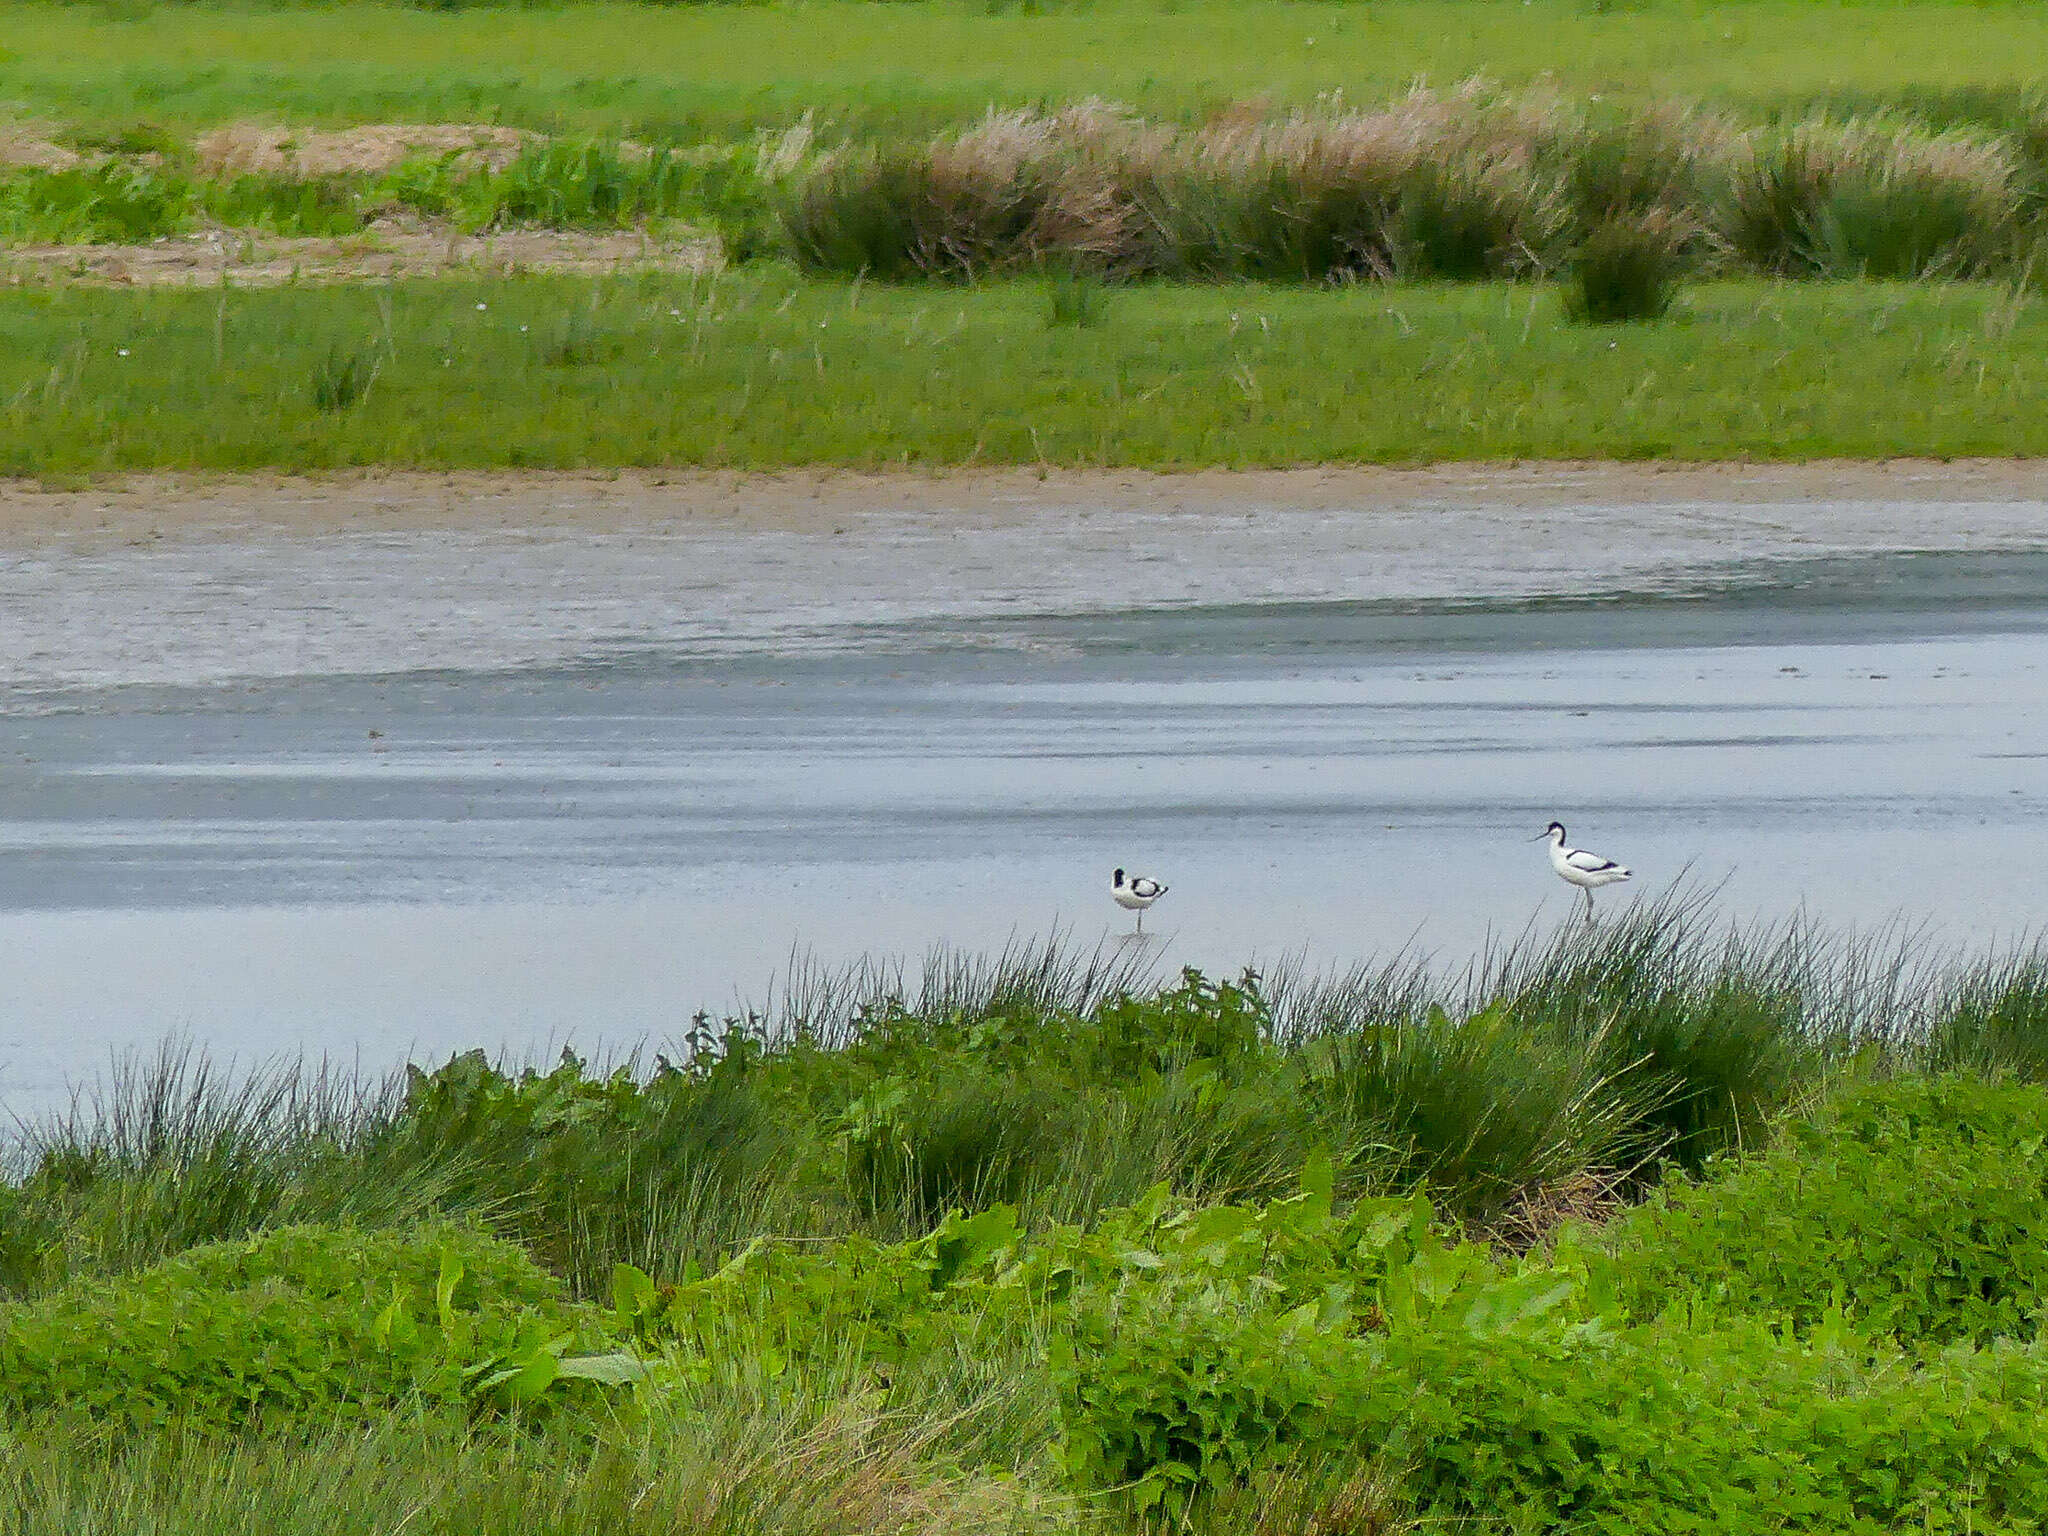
{"x": 1924, "y": 503}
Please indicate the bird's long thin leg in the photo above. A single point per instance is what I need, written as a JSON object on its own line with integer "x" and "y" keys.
{"x": 1141, "y": 919}
{"x": 1587, "y": 892}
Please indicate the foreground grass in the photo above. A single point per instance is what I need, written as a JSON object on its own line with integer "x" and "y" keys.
{"x": 1198, "y": 1292}
{"x": 683, "y": 73}
{"x": 762, "y": 369}
{"x": 818, "y": 1468}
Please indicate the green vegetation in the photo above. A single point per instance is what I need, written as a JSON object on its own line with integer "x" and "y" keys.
{"x": 760, "y": 368}
{"x": 1654, "y": 160}
{"x": 1643, "y": 1228}
{"x": 557, "y": 184}
{"x": 687, "y": 73}
{"x": 1470, "y": 184}
{"x": 302, "y": 1322}
{"x": 1627, "y": 268}
{"x": 1467, "y": 185}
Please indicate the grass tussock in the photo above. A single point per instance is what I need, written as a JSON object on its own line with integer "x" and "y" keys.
{"x": 1871, "y": 197}
{"x": 342, "y": 378}
{"x": 1427, "y": 186}
{"x": 1628, "y": 268}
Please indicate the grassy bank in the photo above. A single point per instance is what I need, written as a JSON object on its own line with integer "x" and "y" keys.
{"x": 762, "y": 368}
{"x": 686, "y": 73}
{"x": 1041, "y": 1245}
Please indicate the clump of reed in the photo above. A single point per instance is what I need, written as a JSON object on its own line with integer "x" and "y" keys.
{"x": 959, "y": 208}
{"x": 1995, "y": 1018}
{"x": 1627, "y": 268}
{"x": 1466, "y": 184}
{"x": 1872, "y": 198}
{"x": 172, "y": 1150}
{"x": 1073, "y": 295}
{"x": 1424, "y": 187}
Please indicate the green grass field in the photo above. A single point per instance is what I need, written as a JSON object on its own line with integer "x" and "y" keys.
{"x": 761, "y": 368}
{"x": 689, "y": 72}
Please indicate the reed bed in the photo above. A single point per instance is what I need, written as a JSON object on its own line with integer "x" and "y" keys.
{"x": 1468, "y": 183}
{"x": 1462, "y": 184}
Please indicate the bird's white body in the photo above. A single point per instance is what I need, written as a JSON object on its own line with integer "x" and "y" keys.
{"x": 1135, "y": 894}
{"x": 1575, "y": 866}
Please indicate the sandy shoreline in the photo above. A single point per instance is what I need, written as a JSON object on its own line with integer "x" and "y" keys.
{"x": 824, "y": 501}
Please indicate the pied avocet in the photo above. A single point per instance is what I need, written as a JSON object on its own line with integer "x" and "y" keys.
{"x": 1575, "y": 866}
{"x": 1135, "y": 894}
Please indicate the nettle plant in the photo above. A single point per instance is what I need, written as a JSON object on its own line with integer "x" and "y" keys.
{"x": 1187, "y": 1344}
{"x": 306, "y": 1321}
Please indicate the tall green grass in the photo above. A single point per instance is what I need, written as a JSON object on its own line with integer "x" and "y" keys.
{"x": 170, "y": 1151}
{"x": 811, "y": 1459}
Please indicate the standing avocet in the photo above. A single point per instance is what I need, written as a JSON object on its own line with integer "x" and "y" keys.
{"x": 1575, "y": 866}
{"x": 1135, "y": 894}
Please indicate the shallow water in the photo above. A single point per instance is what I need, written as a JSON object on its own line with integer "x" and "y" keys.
{"x": 411, "y": 793}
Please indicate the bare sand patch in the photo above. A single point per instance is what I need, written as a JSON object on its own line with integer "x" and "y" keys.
{"x": 384, "y": 251}
{"x": 1902, "y": 503}
{"x": 21, "y": 148}
{"x": 369, "y": 150}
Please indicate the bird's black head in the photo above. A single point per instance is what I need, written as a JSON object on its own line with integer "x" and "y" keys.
{"x": 1555, "y": 829}
{"x": 1117, "y": 878}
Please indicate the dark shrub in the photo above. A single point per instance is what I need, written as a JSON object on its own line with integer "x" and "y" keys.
{"x": 1458, "y": 219}
{"x": 1627, "y": 268}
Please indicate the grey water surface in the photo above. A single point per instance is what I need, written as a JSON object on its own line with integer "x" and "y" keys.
{"x": 405, "y": 794}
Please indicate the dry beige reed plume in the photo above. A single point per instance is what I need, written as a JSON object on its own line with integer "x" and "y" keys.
{"x": 779, "y": 156}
